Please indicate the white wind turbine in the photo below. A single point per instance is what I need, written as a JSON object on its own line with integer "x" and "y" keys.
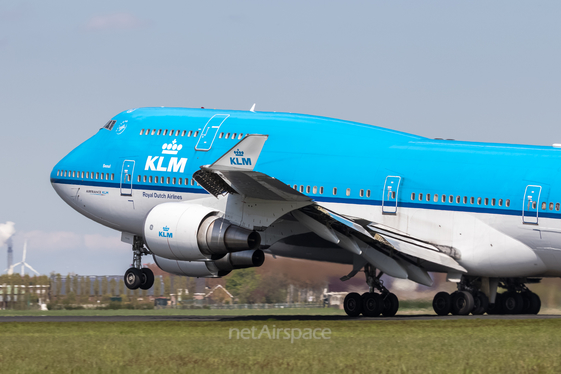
{"x": 22, "y": 263}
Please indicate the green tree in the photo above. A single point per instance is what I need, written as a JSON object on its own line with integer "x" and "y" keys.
{"x": 112, "y": 287}
{"x": 104, "y": 286}
{"x": 242, "y": 285}
{"x": 157, "y": 286}
{"x": 68, "y": 284}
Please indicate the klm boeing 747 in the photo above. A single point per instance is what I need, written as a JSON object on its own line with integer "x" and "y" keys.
{"x": 206, "y": 192}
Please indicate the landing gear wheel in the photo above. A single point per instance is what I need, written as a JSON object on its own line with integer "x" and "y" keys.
{"x": 512, "y": 303}
{"x": 535, "y": 303}
{"x": 372, "y": 304}
{"x": 147, "y": 279}
{"x": 480, "y": 304}
{"x": 526, "y": 302}
{"x": 462, "y": 303}
{"x": 497, "y": 307}
{"x": 441, "y": 303}
{"x": 133, "y": 278}
{"x": 391, "y": 305}
{"x": 353, "y": 304}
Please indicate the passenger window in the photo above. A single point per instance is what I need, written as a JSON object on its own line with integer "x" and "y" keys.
{"x": 160, "y": 132}
{"x": 550, "y": 206}
{"x": 221, "y": 135}
{"x": 183, "y": 133}
{"x": 107, "y": 176}
{"x": 301, "y": 188}
{"x": 96, "y": 175}
{"x": 457, "y": 199}
{"x": 557, "y": 206}
{"x": 192, "y": 182}
{"x": 500, "y": 202}
{"x": 544, "y": 205}
{"x": 493, "y": 202}
{"x": 128, "y": 178}
{"x": 295, "y": 187}
{"x": 435, "y": 198}
{"x": 450, "y": 199}
{"x": 87, "y": 175}
{"x": 156, "y": 179}
{"x": 348, "y": 193}
{"x": 186, "y": 181}
{"x": 234, "y": 136}
{"x": 73, "y": 174}
{"x": 307, "y": 189}
{"x": 177, "y": 133}
{"x": 167, "y": 180}
{"x": 144, "y": 179}
{"x": 507, "y": 203}
{"x": 443, "y": 198}
{"x": 153, "y": 131}
{"x": 367, "y": 193}
{"x": 412, "y": 195}
{"x": 138, "y": 178}
{"x": 321, "y": 190}
{"x": 141, "y": 131}
{"x": 478, "y": 201}
{"x": 189, "y": 135}
{"x": 165, "y": 132}
{"x": 361, "y": 193}
{"x": 196, "y": 134}
{"x": 240, "y": 136}
{"x": 57, "y": 173}
{"x": 112, "y": 176}
{"x": 227, "y": 135}
{"x": 420, "y": 197}
{"x": 334, "y": 190}
{"x": 82, "y": 175}
{"x": 471, "y": 200}
{"x": 465, "y": 199}
{"x": 147, "y": 132}
{"x": 315, "y": 190}
{"x": 486, "y": 201}
{"x": 150, "y": 179}
{"x": 534, "y": 205}
{"x": 428, "y": 197}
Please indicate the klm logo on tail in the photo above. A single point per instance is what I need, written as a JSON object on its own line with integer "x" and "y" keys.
{"x": 165, "y": 233}
{"x": 236, "y": 160}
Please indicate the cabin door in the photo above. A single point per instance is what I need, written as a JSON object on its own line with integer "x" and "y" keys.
{"x": 209, "y": 132}
{"x": 390, "y": 195}
{"x": 126, "y": 177}
{"x": 531, "y": 204}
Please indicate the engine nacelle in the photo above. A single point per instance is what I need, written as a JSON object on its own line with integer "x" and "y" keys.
{"x": 212, "y": 269}
{"x": 192, "y": 232}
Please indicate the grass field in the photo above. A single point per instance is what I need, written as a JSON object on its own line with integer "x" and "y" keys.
{"x": 441, "y": 346}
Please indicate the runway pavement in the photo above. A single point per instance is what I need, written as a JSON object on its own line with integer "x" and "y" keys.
{"x": 219, "y": 318}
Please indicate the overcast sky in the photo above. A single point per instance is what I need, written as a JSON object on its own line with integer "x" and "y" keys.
{"x": 477, "y": 70}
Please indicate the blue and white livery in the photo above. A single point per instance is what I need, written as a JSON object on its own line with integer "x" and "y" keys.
{"x": 206, "y": 192}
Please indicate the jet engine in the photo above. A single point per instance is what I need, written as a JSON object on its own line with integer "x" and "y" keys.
{"x": 212, "y": 269}
{"x": 192, "y": 232}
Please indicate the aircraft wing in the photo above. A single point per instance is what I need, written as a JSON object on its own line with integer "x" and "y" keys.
{"x": 394, "y": 253}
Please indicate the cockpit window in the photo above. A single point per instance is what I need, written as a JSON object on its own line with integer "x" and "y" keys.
{"x": 109, "y": 125}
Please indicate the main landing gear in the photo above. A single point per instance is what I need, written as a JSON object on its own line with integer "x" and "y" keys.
{"x": 137, "y": 276}
{"x": 372, "y": 304}
{"x": 470, "y": 298}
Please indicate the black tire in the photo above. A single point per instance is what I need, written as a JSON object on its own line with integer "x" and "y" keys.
{"x": 147, "y": 279}
{"x": 391, "y": 305}
{"x": 372, "y": 304}
{"x": 462, "y": 303}
{"x": 512, "y": 303}
{"x": 480, "y": 304}
{"x": 133, "y": 278}
{"x": 496, "y": 308}
{"x": 353, "y": 304}
{"x": 526, "y": 302}
{"x": 536, "y": 303}
{"x": 442, "y": 303}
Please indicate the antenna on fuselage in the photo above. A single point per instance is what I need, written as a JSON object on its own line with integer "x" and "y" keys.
{"x": 252, "y": 108}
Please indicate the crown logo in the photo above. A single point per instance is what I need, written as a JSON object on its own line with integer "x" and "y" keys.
{"x": 238, "y": 153}
{"x": 166, "y": 228}
{"x": 171, "y": 148}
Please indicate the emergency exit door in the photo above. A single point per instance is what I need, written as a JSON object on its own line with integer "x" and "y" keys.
{"x": 531, "y": 204}
{"x": 391, "y": 194}
{"x": 126, "y": 177}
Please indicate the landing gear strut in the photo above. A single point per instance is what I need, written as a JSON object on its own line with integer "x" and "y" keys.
{"x": 372, "y": 304}
{"x": 137, "y": 276}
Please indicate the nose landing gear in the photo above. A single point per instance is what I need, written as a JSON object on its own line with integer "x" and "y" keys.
{"x": 137, "y": 276}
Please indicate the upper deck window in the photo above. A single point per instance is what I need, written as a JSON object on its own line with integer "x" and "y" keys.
{"x": 109, "y": 125}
